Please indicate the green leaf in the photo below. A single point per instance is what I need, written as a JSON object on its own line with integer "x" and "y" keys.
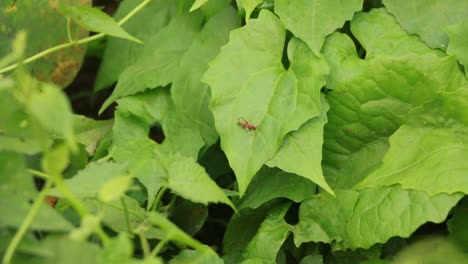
{"x": 48, "y": 105}
{"x": 56, "y": 160}
{"x": 114, "y": 188}
{"x": 301, "y": 152}
{"x": 428, "y": 19}
{"x": 197, "y": 4}
{"x": 151, "y": 106}
{"x": 19, "y": 131}
{"x": 190, "y": 180}
{"x": 132, "y": 146}
{"x": 362, "y": 219}
{"x": 95, "y": 20}
{"x": 90, "y": 132}
{"x": 113, "y": 216}
{"x": 149, "y": 21}
{"x": 270, "y": 236}
{"x": 429, "y": 147}
{"x": 90, "y": 180}
{"x": 159, "y": 61}
{"x": 37, "y": 18}
{"x": 371, "y": 99}
{"x": 118, "y": 250}
{"x": 249, "y": 6}
{"x": 18, "y": 207}
{"x": 458, "y": 45}
{"x": 191, "y": 97}
{"x": 195, "y": 257}
{"x": 268, "y": 96}
{"x": 63, "y": 250}
{"x": 432, "y": 250}
{"x": 313, "y": 20}
{"x": 189, "y": 216}
{"x": 457, "y": 225}
{"x": 271, "y": 183}
{"x": 374, "y": 29}
{"x": 13, "y": 175}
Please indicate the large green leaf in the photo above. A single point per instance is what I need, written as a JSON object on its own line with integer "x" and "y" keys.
{"x": 269, "y": 238}
{"x": 190, "y": 180}
{"x": 191, "y": 97}
{"x": 37, "y": 18}
{"x": 458, "y": 45}
{"x": 428, "y": 19}
{"x": 313, "y": 20}
{"x": 149, "y": 21}
{"x": 361, "y": 219}
{"x": 371, "y": 98}
{"x": 271, "y": 183}
{"x": 261, "y": 91}
{"x": 427, "y": 152}
{"x": 301, "y": 152}
{"x": 195, "y": 257}
{"x": 160, "y": 58}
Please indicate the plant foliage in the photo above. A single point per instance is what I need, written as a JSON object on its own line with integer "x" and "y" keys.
{"x": 243, "y": 131}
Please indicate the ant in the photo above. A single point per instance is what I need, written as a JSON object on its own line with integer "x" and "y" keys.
{"x": 245, "y": 124}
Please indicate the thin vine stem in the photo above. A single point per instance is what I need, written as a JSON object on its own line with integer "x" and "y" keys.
{"x": 157, "y": 200}
{"x": 78, "y": 42}
{"x": 38, "y": 202}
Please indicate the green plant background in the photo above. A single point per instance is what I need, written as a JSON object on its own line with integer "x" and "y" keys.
{"x": 355, "y": 153}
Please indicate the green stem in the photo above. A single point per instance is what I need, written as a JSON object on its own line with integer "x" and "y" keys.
{"x": 144, "y": 245}
{"x": 159, "y": 246}
{"x": 39, "y": 174}
{"x": 158, "y": 198}
{"x": 51, "y": 50}
{"x": 70, "y": 39}
{"x": 79, "y": 42}
{"x": 127, "y": 219}
{"x": 26, "y": 223}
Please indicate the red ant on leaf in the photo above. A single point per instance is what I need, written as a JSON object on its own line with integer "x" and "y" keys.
{"x": 245, "y": 124}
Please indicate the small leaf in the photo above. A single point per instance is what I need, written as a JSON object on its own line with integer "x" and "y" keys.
{"x": 249, "y": 6}
{"x": 95, "y": 20}
{"x": 55, "y": 160}
{"x": 114, "y": 188}
{"x": 189, "y": 180}
{"x": 270, "y": 236}
{"x": 90, "y": 132}
{"x": 197, "y": 4}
